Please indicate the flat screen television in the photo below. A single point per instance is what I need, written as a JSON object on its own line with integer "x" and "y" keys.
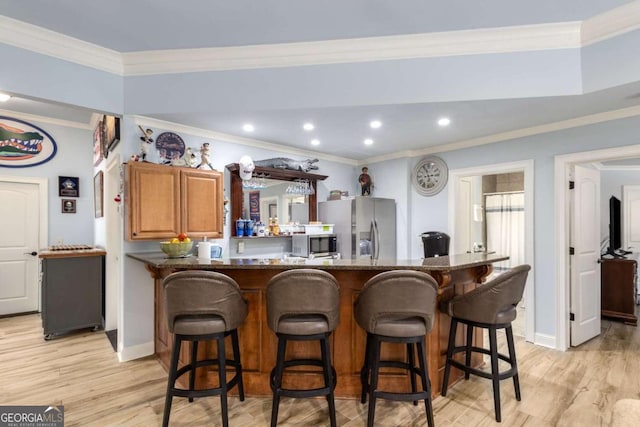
{"x": 615, "y": 232}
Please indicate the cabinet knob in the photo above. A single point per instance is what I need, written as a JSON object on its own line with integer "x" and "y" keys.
{"x": 33, "y": 253}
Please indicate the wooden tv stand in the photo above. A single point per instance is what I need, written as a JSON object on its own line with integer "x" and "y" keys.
{"x": 618, "y": 287}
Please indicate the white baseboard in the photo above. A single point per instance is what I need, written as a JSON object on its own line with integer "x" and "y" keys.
{"x": 545, "y": 340}
{"x": 136, "y": 351}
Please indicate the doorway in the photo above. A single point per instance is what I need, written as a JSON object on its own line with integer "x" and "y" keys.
{"x": 562, "y": 169}
{"x": 24, "y": 212}
{"x": 468, "y": 225}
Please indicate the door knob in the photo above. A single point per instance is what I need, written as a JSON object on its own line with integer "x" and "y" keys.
{"x": 34, "y": 253}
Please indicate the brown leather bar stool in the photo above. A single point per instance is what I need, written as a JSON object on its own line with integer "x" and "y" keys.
{"x": 396, "y": 307}
{"x": 203, "y": 306}
{"x": 490, "y": 306}
{"x": 303, "y": 305}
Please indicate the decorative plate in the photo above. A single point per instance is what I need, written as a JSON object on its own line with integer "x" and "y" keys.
{"x": 170, "y": 146}
{"x": 430, "y": 175}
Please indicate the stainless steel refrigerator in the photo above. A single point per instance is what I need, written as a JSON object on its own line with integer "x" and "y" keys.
{"x": 365, "y": 226}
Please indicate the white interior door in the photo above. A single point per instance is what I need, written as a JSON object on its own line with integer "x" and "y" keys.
{"x": 585, "y": 268}
{"x": 20, "y": 216}
{"x": 631, "y": 217}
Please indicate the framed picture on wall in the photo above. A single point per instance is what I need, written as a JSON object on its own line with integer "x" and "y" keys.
{"x": 68, "y": 186}
{"x": 98, "y": 194}
{"x": 68, "y": 206}
{"x": 98, "y": 144}
{"x": 111, "y": 132}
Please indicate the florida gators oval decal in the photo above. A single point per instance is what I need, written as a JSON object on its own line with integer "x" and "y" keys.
{"x": 23, "y": 144}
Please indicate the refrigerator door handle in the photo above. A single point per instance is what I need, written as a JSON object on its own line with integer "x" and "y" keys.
{"x": 376, "y": 247}
{"x": 372, "y": 237}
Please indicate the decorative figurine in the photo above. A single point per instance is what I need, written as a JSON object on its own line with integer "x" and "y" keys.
{"x": 145, "y": 140}
{"x": 366, "y": 184}
{"x": 188, "y": 159}
{"x": 204, "y": 156}
{"x": 246, "y": 168}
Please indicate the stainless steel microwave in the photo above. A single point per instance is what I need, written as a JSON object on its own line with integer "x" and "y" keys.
{"x": 313, "y": 245}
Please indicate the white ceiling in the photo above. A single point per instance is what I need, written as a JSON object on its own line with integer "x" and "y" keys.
{"x": 135, "y": 25}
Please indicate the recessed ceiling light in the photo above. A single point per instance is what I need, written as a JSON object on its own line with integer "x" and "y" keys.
{"x": 4, "y": 97}
{"x": 375, "y": 124}
{"x": 444, "y": 121}
{"x": 368, "y": 141}
{"x": 308, "y": 126}
{"x": 248, "y": 127}
{"x": 315, "y": 142}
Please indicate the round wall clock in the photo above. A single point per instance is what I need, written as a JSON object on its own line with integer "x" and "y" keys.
{"x": 430, "y": 175}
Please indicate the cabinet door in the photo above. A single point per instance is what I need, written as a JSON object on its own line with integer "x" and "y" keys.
{"x": 154, "y": 201}
{"x": 202, "y": 201}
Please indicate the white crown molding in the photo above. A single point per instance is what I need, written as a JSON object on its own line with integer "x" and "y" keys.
{"x": 515, "y": 134}
{"x": 611, "y": 24}
{"x": 44, "y": 119}
{"x": 37, "y": 39}
{"x": 225, "y": 137}
{"x": 564, "y": 35}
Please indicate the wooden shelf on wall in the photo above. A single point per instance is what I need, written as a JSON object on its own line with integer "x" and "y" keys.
{"x": 271, "y": 173}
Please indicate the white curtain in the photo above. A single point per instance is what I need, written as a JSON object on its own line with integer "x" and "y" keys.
{"x": 505, "y": 227}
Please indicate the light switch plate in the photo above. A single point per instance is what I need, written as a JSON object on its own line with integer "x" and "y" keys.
{"x": 240, "y": 247}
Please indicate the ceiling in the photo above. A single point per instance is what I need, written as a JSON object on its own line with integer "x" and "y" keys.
{"x": 137, "y": 25}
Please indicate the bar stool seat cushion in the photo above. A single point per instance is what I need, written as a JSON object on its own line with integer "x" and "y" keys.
{"x": 303, "y": 325}
{"x": 199, "y": 325}
{"x": 407, "y": 327}
{"x": 493, "y": 303}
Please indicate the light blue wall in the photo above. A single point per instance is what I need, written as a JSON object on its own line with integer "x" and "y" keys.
{"x": 74, "y": 158}
{"x": 494, "y": 76}
{"x": 610, "y": 63}
{"x": 43, "y": 77}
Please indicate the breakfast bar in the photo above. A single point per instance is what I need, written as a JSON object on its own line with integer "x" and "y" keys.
{"x": 455, "y": 274}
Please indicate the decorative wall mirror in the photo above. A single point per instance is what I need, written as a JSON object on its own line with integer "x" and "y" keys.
{"x": 290, "y": 194}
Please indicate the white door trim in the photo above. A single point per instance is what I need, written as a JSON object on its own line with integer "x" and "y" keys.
{"x": 561, "y": 221}
{"x": 43, "y": 221}
{"x": 113, "y": 245}
{"x": 527, "y": 166}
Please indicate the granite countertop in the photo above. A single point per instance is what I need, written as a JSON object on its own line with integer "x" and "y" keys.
{"x": 443, "y": 263}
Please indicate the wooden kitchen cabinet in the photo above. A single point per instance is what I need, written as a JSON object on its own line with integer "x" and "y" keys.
{"x": 163, "y": 201}
{"x": 618, "y": 297}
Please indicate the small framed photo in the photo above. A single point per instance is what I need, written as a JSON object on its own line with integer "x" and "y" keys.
{"x": 68, "y": 186}
{"x": 68, "y": 206}
{"x": 98, "y": 194}
{"x": 111, "y": 132}
{"x": 98, "y": 143}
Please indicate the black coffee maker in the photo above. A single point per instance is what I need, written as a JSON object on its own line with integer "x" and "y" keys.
{"x": 435, "y": 243}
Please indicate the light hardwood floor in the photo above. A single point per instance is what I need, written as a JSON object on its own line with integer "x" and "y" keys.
{"x": 81, "y": 372}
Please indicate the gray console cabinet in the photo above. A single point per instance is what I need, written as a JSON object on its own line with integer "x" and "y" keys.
{"x": 72, "y": 293}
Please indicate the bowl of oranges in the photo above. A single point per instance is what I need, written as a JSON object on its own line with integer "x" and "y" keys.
{"x": 178, "y": 247}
